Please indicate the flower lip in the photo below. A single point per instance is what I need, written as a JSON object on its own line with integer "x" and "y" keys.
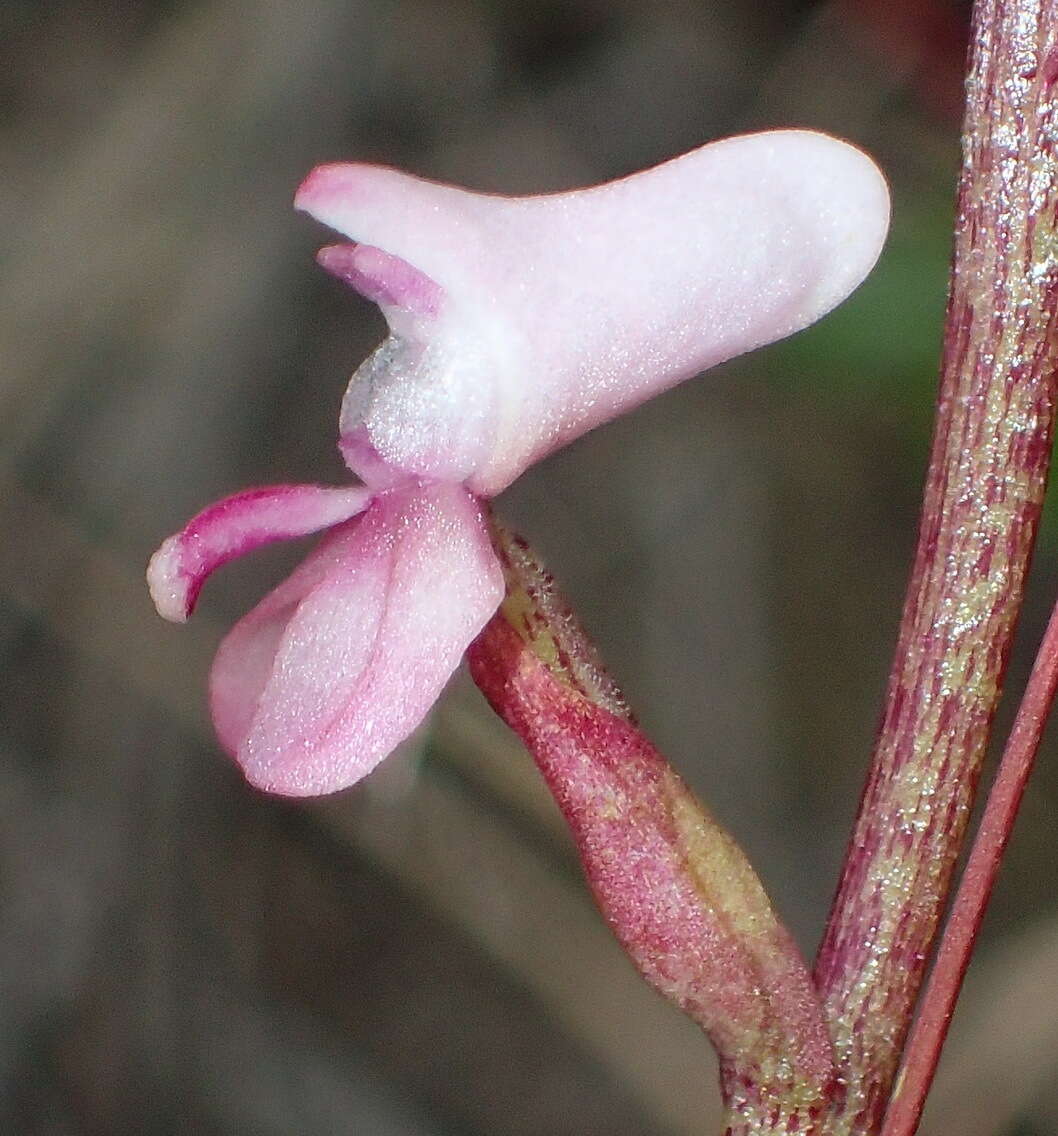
{"x": 342, "y": 661}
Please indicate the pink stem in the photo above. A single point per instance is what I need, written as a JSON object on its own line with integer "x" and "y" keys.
{"x": 975, "y": 888}
{"x": 984, "y": 491}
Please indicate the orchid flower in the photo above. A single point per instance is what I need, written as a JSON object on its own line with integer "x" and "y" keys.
{"x": 515, "y": 325}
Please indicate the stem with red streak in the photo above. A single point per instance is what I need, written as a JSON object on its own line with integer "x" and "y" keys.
{"x": 984, "y": 491}
{"x": 975, "y": 888}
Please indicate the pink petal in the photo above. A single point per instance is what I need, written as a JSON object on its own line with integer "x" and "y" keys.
{"x": 320, "y": 682}
{"x": 236, "y": 525}
{"x": 562, "y": 311}
{"x": 403, "y": 293}
{"x": 246, "y": 655}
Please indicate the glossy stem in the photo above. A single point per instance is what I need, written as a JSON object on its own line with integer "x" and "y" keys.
{"x": 984, "y": 490}
{"x": 975, "y": 888}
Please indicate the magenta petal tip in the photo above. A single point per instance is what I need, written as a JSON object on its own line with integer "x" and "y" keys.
{"x": 236, "y": 525}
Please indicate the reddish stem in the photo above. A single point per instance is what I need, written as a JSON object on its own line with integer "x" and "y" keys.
{"x": 676, "y": 890}
{"x": 975, "y": 888}
{"x": 984, "y": 491}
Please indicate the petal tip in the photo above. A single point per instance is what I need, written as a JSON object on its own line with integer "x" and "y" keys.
{"x": 853, "y": 181}
{"x": 842, "y": 214}
{"x": 292, "y": 782}
{"x": 170, "y": 586}
{"x": 324, "y": 183}
{"x": 313, "y": 766}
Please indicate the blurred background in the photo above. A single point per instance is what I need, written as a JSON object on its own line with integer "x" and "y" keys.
{"x": 418, "y": 956}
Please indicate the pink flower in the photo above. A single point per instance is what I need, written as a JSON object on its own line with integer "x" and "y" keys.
{"x": 516, "y": 324}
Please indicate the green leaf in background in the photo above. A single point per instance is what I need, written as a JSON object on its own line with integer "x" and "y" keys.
{"x": 883, "y": 345}
{"x": 880, "y": 351}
